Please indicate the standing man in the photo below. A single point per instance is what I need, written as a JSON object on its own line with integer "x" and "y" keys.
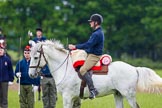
{"x": 94, "y": 48}
{"x": 39, "y": 35}
{"x": 47, "y": 82}
{"x": 6, "y": 76}
{"x": 27, "y": 85}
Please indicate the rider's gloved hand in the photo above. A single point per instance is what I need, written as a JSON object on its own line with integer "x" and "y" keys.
{"x": 10, "y": 83}
{"x": 18, "y": 74}
{"x": 35, "y": 88}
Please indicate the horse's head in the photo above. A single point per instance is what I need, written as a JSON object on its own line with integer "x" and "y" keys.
{"x": 38, "y": 60}
{"x": 51, "y": 51}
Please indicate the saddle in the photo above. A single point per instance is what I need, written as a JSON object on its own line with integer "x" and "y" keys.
{"x": 101, "y": 68}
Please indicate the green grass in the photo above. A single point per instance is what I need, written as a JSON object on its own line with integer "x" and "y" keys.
{"x": 144, "y": 100}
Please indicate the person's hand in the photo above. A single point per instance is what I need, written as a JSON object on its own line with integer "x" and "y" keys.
{"x": 72, "y": 47}
{"x": 18, "y": 74}
{"x": 35, "y": 88}
{"x": 10, "y": 83}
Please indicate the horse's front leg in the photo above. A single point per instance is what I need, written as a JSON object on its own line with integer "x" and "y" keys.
{"x": 67, "y": 100}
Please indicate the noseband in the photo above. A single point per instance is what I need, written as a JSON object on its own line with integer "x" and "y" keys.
{"x": 37, "y": 66}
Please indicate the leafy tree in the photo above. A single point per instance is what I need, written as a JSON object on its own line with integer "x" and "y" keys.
{"x": 131, "y": 27}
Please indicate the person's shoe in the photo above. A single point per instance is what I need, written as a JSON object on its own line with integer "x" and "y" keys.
{"x": 93, "y": 94}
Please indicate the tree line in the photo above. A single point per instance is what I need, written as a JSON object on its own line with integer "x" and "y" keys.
{"x": 130, "y": 27}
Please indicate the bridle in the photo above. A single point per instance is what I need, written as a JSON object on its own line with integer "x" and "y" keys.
{"x": 66, "y": 59}
{"x": 41, "y": 67}
{"x": 38, "y": 65}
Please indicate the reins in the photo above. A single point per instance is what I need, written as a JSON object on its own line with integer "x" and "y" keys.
{"x": 62, "y": 63}
{"x": 66, "y": 59}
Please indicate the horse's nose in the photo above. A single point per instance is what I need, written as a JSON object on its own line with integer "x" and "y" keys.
{"x": 31, "y": 76}
{"x": 35, "y": 75}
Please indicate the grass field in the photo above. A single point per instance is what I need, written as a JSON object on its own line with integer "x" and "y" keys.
{"x": 144, "y": 100}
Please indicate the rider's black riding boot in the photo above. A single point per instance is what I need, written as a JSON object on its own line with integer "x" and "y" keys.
{"x": 88, "y": 79}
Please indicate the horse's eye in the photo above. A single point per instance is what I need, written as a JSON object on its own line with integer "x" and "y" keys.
{"x": 35, "y": 57}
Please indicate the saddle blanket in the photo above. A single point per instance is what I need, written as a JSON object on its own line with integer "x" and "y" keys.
{"x": 79, "y": 57}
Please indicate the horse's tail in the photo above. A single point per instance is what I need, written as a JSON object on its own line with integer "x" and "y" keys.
{"x": 148, "y": 81}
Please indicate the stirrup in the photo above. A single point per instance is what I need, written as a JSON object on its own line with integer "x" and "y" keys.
{"x": 93, "y": 94}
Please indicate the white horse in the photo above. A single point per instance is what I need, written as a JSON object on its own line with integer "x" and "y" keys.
{"x": 123, "y": 80}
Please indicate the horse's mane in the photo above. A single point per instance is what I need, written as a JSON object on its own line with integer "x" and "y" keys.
{"x": 51, "y": 43}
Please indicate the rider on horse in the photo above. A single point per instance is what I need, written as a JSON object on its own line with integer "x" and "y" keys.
{"x": 94, "y": 48}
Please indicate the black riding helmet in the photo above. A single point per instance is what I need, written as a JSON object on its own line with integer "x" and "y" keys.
{"x": 97, "y": 18}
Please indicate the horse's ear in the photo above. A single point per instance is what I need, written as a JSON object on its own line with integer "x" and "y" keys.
{"x": 32, "y": 43}
{"x": 45, "y": 49}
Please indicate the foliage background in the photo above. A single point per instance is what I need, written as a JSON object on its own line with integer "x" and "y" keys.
{"x": 131, "y": 28}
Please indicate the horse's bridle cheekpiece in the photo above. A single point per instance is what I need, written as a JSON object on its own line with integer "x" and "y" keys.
{"x": 37, "y": 66}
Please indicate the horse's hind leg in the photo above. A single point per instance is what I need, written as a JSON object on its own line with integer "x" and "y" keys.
{"x": 118, "y": 100}
{"x": 132, "y": 101}
{"x": 77, "y": 103}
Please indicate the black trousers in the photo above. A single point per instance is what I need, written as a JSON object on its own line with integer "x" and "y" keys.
{"x": 4, "y": 94}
